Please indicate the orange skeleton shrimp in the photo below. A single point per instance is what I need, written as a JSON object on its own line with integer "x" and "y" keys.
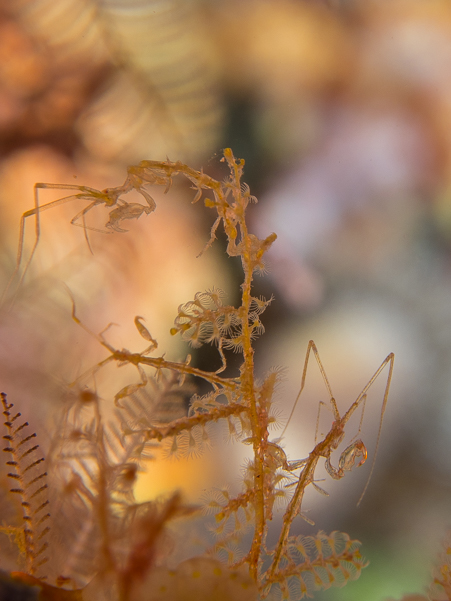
{"x": 330, "y": 443}
{"x": 110, "y": 197}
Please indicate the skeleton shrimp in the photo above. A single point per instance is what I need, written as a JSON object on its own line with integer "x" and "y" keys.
{"x": 159, "y": 173}
{"x": 109, "y": 197}
{"x": 323, "y": 449}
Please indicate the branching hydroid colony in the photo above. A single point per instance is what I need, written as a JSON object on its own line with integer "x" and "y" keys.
{"x": 98, "y": 461}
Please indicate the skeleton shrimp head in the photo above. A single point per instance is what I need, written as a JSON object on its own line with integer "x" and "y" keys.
{"x": 109, "y": 196}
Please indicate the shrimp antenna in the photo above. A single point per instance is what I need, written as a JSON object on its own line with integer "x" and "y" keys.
{"x": 391, "y": 360}
{"x": 311, "y": 347}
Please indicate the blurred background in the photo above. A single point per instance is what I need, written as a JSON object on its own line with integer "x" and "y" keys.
{"x": 342, "y": 111}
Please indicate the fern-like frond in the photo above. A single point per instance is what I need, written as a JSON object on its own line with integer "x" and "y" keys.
{"x": 311, "y": 563}
{"x": 25, "y": 464}
{"x": 160, "y": 95}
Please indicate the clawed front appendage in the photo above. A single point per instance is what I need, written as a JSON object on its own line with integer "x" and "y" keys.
{"x": 347, "y": 460}
{"x": 132, "y": 210}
